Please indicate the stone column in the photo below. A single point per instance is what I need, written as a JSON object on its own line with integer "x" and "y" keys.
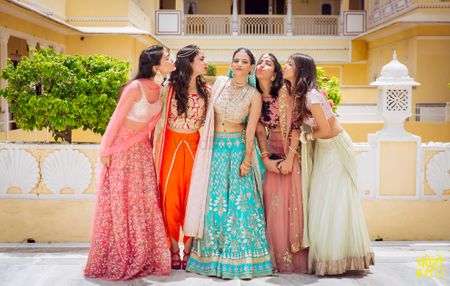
{"x": 4, "y": 38}
{"x": 234, "y": 19}
{"x": 32, "y": 43}
{"x": 179, "y": 5}
{"x": 289, "y": 18}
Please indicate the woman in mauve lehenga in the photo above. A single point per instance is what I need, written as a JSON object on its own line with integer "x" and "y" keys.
{"x": 284, "y": 203}
{"x": 338, "y": 236}
{"x": 128, "y": 237}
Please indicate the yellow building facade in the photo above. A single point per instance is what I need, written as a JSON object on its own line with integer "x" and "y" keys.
{"x": 352, "y": 40}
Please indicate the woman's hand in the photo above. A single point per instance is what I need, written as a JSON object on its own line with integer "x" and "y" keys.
{"x": 271, "y": 165}
{"x": 244, "y": 170}
{"x": 106, "y": 160}
{"x": 285, "y": 166}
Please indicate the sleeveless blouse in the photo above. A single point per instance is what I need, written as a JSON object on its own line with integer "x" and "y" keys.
{"x": 234, "y": 108}
{"x": 194, "y": 117}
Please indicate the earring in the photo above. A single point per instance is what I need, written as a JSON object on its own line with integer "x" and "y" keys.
{"x": 158, "y": 77}
{"x": 272, "y": 78}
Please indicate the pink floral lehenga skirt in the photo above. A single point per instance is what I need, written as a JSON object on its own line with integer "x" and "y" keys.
{"x": 128, "y": 239}
{"x": 284, "y": 214}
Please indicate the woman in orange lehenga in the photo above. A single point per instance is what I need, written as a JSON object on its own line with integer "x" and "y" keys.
{"x": 177, "y": 139}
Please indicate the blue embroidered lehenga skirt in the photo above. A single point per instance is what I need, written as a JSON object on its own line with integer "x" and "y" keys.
{"x": 234, "y": 243}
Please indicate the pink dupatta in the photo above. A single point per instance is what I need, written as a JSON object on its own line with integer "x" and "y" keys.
{"x": 108, "y": 146}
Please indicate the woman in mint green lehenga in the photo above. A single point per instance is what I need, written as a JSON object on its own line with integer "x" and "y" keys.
{"x": 225, "y": 211}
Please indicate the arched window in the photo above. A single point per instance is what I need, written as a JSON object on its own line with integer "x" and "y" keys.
{"x": 326, "y": 9}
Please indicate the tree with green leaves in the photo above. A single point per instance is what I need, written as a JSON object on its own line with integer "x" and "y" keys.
{"x": 64, "y": 92}
{"x": 331, "y": 86}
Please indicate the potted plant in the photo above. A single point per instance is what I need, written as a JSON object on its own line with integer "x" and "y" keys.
{"x": 211, "y": 73}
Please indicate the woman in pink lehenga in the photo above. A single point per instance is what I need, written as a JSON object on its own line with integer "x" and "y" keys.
{"x": 128, "y": 239}
{"x": 284, "y": 201}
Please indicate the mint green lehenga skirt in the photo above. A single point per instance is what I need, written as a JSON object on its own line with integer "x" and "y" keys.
{"x": 234, "y": 243}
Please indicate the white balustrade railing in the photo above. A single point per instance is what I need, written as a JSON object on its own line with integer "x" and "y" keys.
{"x": 320, "y": 25}
{"x": 316, "y": 25}
{"x": 70, "y": 172}
{"x": 261, "y": 24}
{"x": 207, "y": 24}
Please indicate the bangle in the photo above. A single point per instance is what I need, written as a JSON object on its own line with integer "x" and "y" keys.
{"x": 292, "y": 149}
{"x": 265, "y": 154}
{"x": 310, "y": 136}
{"x": 245, "y": 163}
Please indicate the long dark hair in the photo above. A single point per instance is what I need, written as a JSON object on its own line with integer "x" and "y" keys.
{"x": 181, "y": 78}
{"x": 149, "y": 57}
{"x": 305, "y": 81}
{"x": 278, "y": 82}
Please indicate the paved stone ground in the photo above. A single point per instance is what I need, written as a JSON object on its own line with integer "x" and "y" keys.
{"x": 62, "y": 264}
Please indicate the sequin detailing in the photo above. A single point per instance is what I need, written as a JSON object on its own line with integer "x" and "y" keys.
{"x": 128, "y": 239}
{"x": 233, "y": 105}
{"x": 194, "y": 117}
{"x": 234, "y": 241}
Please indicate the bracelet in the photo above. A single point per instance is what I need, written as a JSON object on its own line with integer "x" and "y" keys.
{"x": 295, "y": 138}
{"x": 245, "y": 167}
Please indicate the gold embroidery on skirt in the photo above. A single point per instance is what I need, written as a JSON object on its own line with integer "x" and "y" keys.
{"x": 296, "y": 247}
{"x": 287, "y": 258}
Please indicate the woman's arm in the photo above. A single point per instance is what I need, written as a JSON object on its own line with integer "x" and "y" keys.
{"x": 261, "y": 136}
{"x": 255, "y": 114}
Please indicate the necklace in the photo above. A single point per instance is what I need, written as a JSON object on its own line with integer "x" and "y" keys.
{"x": 237, "y": 84}
{"x": 228, "y": 97}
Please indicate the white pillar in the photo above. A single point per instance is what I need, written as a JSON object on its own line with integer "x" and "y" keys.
{"x": 32, "y": 43}
{"x": 234, "y": 19}
{"x": 289, "y": 18}
{"x": 4, "y": 38}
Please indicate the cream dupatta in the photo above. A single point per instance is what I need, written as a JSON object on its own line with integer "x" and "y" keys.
{"x": 198, "y": 191}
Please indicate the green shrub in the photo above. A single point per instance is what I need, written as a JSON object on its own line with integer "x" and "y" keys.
{"x": 211, "y": 70}
{"x": 64, "y": 92}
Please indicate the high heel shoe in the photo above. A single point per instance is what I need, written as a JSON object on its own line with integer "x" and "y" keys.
{"x": 185, "y": 259}
{"x": 175, "y": 259}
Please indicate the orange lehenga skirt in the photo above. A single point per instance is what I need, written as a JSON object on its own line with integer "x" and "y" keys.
{"x": 175, "y": 178}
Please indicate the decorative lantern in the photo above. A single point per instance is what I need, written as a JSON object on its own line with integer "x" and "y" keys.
{"x": 394, "y": 96}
